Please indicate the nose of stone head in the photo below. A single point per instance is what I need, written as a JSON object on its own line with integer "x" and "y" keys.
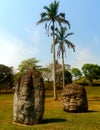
{"x": 73, "y": 101}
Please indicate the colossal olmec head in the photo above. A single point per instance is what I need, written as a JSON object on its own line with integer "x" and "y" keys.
{"x": 74, "y": 98}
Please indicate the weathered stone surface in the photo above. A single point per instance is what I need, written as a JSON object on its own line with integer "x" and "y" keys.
{"x": 29, "y": 98}
{"x": 74, "y": 98}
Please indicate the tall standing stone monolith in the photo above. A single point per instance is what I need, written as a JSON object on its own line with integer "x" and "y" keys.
{"x": 29, "y": 98}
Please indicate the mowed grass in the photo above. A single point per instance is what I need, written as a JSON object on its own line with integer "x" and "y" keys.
{"x": 54, "y": 117}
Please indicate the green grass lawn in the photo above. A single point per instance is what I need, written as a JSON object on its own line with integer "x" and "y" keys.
{"x": 54, "y": 117}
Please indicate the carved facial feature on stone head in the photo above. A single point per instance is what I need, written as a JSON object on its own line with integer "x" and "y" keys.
{"x": 74, "y": 98}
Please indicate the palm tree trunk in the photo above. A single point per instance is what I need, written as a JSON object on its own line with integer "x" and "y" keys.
{"x": 63, "y": 70}
{"x": 54, "y": 68}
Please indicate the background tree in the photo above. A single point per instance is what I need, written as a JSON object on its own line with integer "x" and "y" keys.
{"x": 25, "y": 65}
{"x": 46, "y": 73}
{"x": 76, "y": 73}
{"x": 97, "y": 72}
{"x": 50, "y": 17}
{"x": 28, "y": 64}
{"x": 67, "y": 79}
{"x": 58, "y": 68}
{"x": 61, "y": 39}
{"x": 6, "y": 77}
{"x": 59, "y": 78}
{"x": 91, "y": 72}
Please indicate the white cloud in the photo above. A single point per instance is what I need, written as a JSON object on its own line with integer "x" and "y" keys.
{"x": 13, "y": 50}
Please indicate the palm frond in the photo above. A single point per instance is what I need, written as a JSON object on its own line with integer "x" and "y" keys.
{"x": 64, "y": 21}
{"x": 62, "y": 15}
{"x": 68, "y": 34}
{"x": 61, "y": 49}
{"x": 43, "y": 20}
{"x": 70, "y": 44}
{"x": 45, "y": 25}
{"x": 56, "y": 5}
{"x": 56, "y": 41}
{"x": 43, "y": 14}
{"x": 47, "y": 8}
{"x": 48, "y": 27}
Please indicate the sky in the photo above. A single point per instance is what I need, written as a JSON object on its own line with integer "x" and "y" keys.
{"x": 21, "y": 38}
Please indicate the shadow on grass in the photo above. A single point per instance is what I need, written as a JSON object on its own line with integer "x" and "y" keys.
{"x": 88, "y": 111}
{"x": 91, "y": 111}
{"x": 53, "y": 120}
{"x": 95, "y": 98}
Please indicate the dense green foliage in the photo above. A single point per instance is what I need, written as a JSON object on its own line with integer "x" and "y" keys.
{"x": 6, "y": 77}
{"x": 76, "y": 73}
{"x": 91, "y": 72}
{"x": 28, "y": 64}
{"x": 25, "y": 65}
{"x": 67, "y": 79}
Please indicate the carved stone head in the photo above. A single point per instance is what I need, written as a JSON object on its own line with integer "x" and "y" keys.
{"x": 74, "y": 98}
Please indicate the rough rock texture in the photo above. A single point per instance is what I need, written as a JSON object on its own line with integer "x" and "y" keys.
{"x": 29, "y": 98}
{"x": 74, "y": 98}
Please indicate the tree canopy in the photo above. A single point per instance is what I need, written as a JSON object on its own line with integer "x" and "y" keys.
{"x": 76, "y": 73}
{"x": 6, "y": 76}
{"x": 28, "y": 64}
{"x": 91, "y": 72}
{"x": 67, "y": 75}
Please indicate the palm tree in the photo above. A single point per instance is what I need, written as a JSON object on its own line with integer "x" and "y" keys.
{"x": 61, "y": 38}
{"x": 51, "y": 17}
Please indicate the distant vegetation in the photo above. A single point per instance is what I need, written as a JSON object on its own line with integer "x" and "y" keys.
{"x": 88, "y": 76}
{"x": 6, "y": 77}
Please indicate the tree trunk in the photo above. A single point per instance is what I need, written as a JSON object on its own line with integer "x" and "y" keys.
{"x": 63, "y": 77}
{"x": 54, "y": 68}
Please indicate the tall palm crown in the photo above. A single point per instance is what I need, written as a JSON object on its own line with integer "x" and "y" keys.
{"x": 51, "y": 16}
{"x": 61, "y": 38}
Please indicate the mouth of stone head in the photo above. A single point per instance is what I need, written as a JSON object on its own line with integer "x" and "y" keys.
{"x": 73, "y": 107}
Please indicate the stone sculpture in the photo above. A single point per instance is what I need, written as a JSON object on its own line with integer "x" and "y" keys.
{"x": 29, "y": 98}
{"x": 74, "y": 98}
